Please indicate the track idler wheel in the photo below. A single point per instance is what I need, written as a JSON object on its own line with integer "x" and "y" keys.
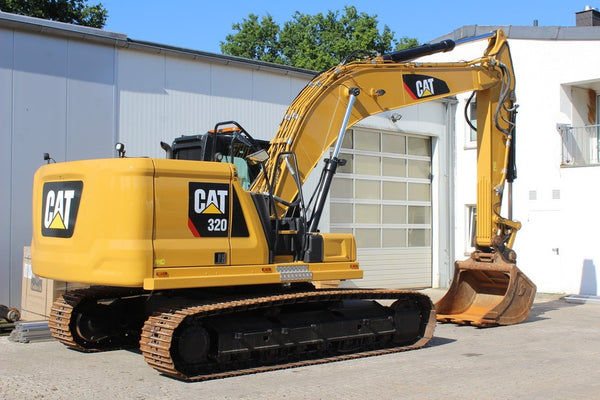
{"x": 93, "y": 327}
{"x": 94, "y": 324}
{"x": 407, "y": 319}
{"x": 100, "y": 326}
{"x": 191, "y": 346}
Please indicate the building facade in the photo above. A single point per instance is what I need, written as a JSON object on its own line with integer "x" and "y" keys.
{"x": 557, "y": 88}
{"x": 73, "y": 92}
{"x": 407, "y": 191}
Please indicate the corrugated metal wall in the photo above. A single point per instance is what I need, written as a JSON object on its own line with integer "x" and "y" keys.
{"x": 74, "y": 99}
{"x": 57, "y": 96}
{"x": 73, "y": 92}
{"x": 6, "y": 113}
{"x": 162, "y": 97}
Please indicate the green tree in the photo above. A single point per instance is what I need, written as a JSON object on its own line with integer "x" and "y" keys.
{"x": 255, "y": 40}
{"x": 406, "y": 43}
{"x": 72, "y": 11}
{"x": 314, "y": 42}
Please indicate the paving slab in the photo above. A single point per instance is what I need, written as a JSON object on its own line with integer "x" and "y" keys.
{"x": 554, "y": 354}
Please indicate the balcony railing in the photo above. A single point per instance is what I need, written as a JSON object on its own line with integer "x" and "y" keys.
{"x": 580, "y": 145}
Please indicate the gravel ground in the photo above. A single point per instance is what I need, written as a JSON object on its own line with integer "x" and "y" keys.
{"x": 555, "y": 354}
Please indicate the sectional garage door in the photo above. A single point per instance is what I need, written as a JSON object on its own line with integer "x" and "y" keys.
{"x": 383, "y": 196}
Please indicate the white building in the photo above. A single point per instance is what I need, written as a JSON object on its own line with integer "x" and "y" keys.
{"x": 73, "y": 92}
{"x": 558, "y": 84}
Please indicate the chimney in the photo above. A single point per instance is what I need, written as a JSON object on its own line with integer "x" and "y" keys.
{"x": 588, "y": 17}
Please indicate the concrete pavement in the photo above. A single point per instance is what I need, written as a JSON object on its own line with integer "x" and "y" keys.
{"x": 554, "y": 354}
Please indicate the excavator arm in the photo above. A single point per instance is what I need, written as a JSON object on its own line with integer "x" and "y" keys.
{"x": 345, "y": 94}
{"x": 315, "y": 121}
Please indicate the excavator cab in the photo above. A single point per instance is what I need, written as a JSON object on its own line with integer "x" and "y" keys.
{"x": 227, "y": 142}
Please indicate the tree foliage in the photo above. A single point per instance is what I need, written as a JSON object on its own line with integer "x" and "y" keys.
{"x": 72, "y": 11}
{"x": 406, "y": 43}
{"x": 307, "y": 41}
{"x": 255, "y": 40}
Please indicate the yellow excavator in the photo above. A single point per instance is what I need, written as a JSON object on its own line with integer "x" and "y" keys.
{"x": 207, "y": 260}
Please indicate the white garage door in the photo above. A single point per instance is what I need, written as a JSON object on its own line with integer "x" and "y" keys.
{"x": 383, "y": 196}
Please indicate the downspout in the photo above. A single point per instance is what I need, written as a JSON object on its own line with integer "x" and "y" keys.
{"x": 447, "y": 255}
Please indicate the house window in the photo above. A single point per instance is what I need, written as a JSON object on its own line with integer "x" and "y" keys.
{"x": 581, "y": 139}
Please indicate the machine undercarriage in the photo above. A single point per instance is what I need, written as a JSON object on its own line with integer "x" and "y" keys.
{"x": 200, "y": 335}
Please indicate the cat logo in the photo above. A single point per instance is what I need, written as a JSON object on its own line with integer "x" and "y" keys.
{"x": 422, "y": 86}
{"x": 208, "y": 210}
{"x": 211, "y": 202}
{"x": 59, "y": 208}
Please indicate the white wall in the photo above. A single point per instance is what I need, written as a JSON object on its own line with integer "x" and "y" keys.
{"x": 578, "y": 228}
{"x": 57, "y": 97}
{"x": 555, "y": 244}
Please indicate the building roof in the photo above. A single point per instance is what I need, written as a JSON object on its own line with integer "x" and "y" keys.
{"x": 527, "y": 32}
{"x": 121, "y": 40}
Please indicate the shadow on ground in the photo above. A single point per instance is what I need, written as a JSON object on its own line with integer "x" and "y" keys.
{"x": 439, "y": 341}
{"x": 539, "y": 310}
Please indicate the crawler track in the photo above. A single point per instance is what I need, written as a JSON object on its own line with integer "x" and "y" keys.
{"x": 63, "y": 315}
{"x": 160, "y": 335}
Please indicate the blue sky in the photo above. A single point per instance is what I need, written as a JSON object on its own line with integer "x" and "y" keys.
{"x": 202, "y": 24}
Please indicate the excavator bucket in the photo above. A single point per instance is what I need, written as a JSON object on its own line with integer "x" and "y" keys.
{"x": 486, "y": 291}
